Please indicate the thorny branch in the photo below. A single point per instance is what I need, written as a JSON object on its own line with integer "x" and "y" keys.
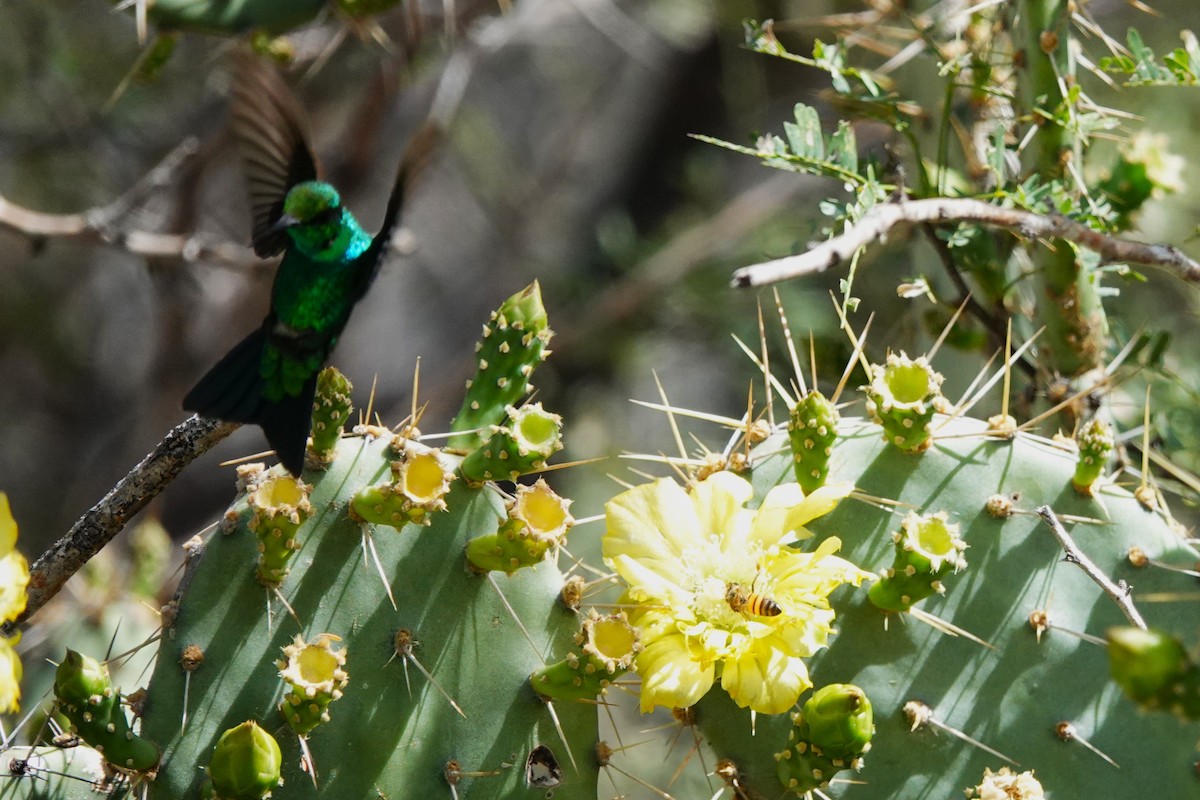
{"x": 1120, "y": 593}
{"x": 97, "y": 527}
{"x": 102, "y": 224}
{"x": 878, "y": 221}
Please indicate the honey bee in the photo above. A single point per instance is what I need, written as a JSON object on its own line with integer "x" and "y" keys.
{"x": 745, "y": 601}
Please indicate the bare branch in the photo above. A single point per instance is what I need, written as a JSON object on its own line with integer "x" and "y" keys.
{"x": 1120, "y": 593}
{"x": 878, "y": 221}
{"x": 108, "y": 517}
{"x": 101, "y": 224}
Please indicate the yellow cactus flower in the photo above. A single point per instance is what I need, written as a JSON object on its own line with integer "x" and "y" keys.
{"x": 14, "y": 577}
{"x": 718, "y": 590}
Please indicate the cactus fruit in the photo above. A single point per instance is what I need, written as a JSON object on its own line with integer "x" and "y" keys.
{"x": 420, "y": 480}
{"x": 902, "y": 396}
{"x": 608, "y": 646}
{"x": 245, "y": 765}
{"x": 537, "y": 519}
{"x": 316, "y": 675}
{"x": 280, "y": 506}
{"x": 812, "y": 429}
{"x": 1155, "y": 671}
{"x": 514, "y": 343}
{"x": 521, "y": 445}
{"x": 830, "y": 733}
{"x": 1096, "y": 443}
{"x": 927, "y": 548}
{"x": 331, "y": 409}
{"x": 87, "y": 697}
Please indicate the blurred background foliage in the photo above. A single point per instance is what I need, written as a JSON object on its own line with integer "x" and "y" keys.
{"x": 569, "y": 162}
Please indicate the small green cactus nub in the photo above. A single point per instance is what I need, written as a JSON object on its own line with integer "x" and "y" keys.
{"x": 331, "y": 409}
{"x": 902, "y": 396}
{"x": 537, "y": 520}
{"x": 92, "y": 704}
{"x": 812, "y": 430}
{"x": 514, "y": 343}
{"x": 1154, "y": 670}
{"x": 528, "y": 437}
{"x": 608, "y": 647}
{"x": 1096, "y": 443}
{"x": 280, "y": 505}
{"x": 927, "y": 548}
{"x": 245, "y": 764}
{"x": 830, "y": 733}
{"x": 420, "y": 481}
{"x": 316, "y": 675}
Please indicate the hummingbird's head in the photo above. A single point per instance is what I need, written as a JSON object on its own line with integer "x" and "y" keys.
{"x": 312, "y": 203}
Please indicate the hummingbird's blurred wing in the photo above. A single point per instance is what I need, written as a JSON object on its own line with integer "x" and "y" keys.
{"x": 416, "y": 157}
{"x": 273, "y": 139}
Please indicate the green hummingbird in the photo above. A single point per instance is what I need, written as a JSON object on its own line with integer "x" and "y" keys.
{"x": 329, "y": 263}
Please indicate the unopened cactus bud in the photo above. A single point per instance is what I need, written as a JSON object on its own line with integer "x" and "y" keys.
{"x": 830, "y": 733}
{"x": 420, "y": 481}
{"x": 537, "y": 520}
{"x": 608, "y": 645}
{"x": 280, "y": 505}
{"x": 927, "y": 548}
{"x": 331, "y": 409}
{"x": 1096, "y": 443}
{"x": 902, "y": 396}
{"x": 812, "y": 430}
{"x": 514, "y": 342}
{"x": 529, "y": 436}
{"x": 92, "y": 704}
{"x": 316, "y": 675}
{"x": 1154, "y": 670}
{"x": 245, "y": 764}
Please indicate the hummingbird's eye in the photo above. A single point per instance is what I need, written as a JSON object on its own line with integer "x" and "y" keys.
{"x": 331, "y": 214}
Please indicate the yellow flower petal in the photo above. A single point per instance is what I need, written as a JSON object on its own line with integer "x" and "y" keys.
{"x": 653, "y": 525}
{"x": 670, "y": 676}
{"x": 8, "y": 526}
{"x": 719, "y": 501}
{"x": 10, "y": 677}
{"x": 765, "y": 679}
{"x": 786, "y": 510}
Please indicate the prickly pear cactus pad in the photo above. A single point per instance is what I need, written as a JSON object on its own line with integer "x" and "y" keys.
{"x": 383, "y": 727}
{"x": 1012, "y": 694}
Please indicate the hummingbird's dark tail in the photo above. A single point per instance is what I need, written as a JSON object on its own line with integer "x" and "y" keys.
{"x": 233, "y": 391}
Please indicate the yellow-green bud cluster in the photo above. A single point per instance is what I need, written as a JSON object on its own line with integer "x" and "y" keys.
{"x": 514, "y": 343}
{"x": 812, "y": 429}
{"x": 830, "y": 733}
{"x": 331, "y": 409}
{"x": 280, "y": 506}
{"x": 927, "y": 548}
{"x": 902, "y": 396}
{"x": 608, "y": 646}
{"x": 1154, "y": 670}
{"x": 87, "y": 698}
{"x": 1095, "y": 441}
{"x": 316, "y": 675}
{"x": 245, "y": 765}
{"x": 537, "y": 520}
{"x": 528, "y": 437}
{"x": 420, "y": 481}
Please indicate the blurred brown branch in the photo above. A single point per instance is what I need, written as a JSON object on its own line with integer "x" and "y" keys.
{"x": 102, "y": 224}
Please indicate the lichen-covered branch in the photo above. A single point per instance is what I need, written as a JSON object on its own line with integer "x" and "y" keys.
{"x": 879, "y": 221}
{"x": 107, "y": 518}
{"x": 1119, "y": 593}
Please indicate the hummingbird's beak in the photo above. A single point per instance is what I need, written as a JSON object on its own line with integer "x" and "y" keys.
{"x": 284, "y": 222}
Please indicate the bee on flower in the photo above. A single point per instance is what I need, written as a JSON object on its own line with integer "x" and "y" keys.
{"x": 718, "y": 591}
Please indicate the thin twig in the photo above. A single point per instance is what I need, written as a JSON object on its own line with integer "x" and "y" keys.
{"x": 100, "y": 224}
{"x": 877, "y": 222}
{"x": 1119, "y": 592}
{"x": 108, "y": 517}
